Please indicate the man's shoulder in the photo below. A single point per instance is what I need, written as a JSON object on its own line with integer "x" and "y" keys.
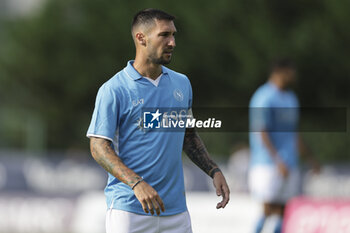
{"x": 262, "y": 96}
{"x": 116, "y": 82}
{"x": 117, "y": 85}
{"x": 266, "y": 88}
{"x": 174, "y": 73}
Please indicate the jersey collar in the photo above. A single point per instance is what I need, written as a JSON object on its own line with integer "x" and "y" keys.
{"x": 133, "y": 74}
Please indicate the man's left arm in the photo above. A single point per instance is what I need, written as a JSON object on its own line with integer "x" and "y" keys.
{"x": 196, "y": 151}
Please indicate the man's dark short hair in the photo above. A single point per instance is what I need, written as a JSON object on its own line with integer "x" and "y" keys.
{"x": 282, "y": 64}
{"x": 149, "y": 15}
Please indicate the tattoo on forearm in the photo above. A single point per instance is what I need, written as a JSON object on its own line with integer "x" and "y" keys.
{"x": 106, "y": 157}
{"x": 99, "y": 149}
{"x": 196, "y": 151}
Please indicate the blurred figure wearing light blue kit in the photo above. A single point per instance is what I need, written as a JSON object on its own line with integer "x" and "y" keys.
{"x": 275, "y": 144}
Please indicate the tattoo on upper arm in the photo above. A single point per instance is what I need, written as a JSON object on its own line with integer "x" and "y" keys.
{"x": 196, "y": 151}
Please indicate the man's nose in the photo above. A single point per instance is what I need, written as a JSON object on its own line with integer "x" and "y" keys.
{"x": 172, "y": 42}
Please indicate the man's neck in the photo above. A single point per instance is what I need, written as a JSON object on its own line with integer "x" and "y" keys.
{"x": 277, "y": 82}
{"x": 147, "y": 69}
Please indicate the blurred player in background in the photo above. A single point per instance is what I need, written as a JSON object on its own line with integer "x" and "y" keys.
{"x": 145, "y": 167}
{"x": 275, "y": 145}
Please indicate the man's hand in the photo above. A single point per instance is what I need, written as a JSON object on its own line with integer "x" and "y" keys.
{"x": 196, "y": 151}
{"x": 221, "y": 189}
{"x": 149, "y": 198}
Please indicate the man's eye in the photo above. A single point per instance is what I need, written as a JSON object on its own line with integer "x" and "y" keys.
{"x": 166, "y": 34}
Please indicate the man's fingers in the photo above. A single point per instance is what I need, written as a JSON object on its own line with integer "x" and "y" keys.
{"x": 218, "y": 191}
{"x": 144, "y": 206}
{"x": 225, "y": 197}
{"x": 161, "y": 204}
{"x": 149, "y": 198}
{"x": 219, "y": 205}
{"x": 150, "y": 206}
{"x": 156, "y": 206}
{"x": 221, "y": 190}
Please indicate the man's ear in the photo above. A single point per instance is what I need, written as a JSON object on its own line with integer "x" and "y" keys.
{"x": 140, "y": 38}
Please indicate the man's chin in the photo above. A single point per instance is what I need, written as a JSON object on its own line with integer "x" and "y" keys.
{"x": 162, "y": 61}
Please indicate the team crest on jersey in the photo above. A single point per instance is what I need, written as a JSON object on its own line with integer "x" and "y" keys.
{"x": 178, "y": 95}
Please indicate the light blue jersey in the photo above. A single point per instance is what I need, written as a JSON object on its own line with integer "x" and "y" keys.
{"x": 154, "y": 155}
{"x": 275, "y": 111}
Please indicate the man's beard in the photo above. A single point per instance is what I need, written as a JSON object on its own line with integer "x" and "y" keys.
{"x": 159, "y": 60}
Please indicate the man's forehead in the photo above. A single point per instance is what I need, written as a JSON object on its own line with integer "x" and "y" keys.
{"x": 164, "y": 25}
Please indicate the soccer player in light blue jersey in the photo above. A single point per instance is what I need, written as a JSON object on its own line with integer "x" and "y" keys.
{"x": 144, "y": 166}
{"x": 275, "y": 145}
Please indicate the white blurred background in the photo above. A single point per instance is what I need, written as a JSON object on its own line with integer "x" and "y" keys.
{"x": 64, "y": 194}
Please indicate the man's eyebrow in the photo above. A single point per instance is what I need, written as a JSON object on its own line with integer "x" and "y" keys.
{"x": 167, "y": 32}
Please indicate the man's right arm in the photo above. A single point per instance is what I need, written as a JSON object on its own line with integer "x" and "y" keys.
{"x": 107, "y": 158}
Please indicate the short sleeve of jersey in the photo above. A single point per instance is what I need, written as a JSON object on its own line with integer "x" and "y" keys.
{"x": 105, "y": 116}
{"x": 260, "y": 113}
